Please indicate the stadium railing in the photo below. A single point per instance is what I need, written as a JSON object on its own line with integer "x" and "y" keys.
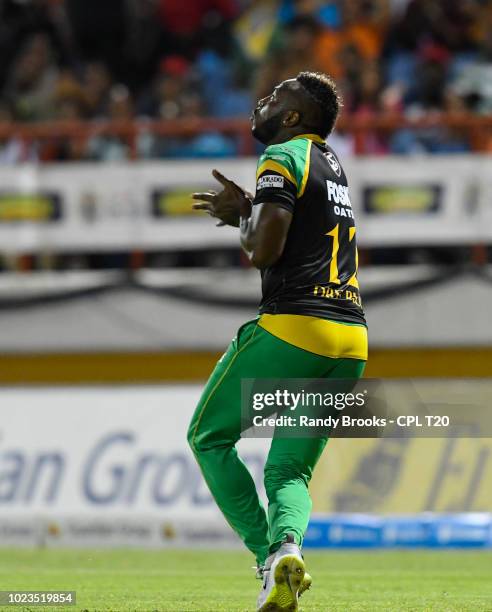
{"x": 476, "y": 129}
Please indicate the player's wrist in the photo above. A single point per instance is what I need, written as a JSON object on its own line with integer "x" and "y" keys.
{"x": 246, "y": 207}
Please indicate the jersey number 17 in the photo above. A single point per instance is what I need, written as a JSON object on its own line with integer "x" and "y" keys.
{"x": 336, "y": 237}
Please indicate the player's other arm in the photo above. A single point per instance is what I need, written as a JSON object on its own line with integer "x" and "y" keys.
{"x": 264, "y": 233}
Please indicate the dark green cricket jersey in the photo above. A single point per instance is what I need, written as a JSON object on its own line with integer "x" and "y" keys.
{"x": 317, "y": 272}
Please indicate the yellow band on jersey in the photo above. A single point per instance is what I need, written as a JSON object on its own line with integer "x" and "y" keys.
{"x": 320, "y": 336}
{"x": 270, "y": 164}
{"x": 313, "y": 137}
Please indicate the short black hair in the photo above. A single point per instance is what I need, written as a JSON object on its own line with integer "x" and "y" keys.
{"x": 323, "y": 91}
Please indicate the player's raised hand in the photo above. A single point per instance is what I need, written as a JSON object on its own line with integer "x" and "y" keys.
{"x": 228, "y": 205}
{"x": 229, "y": 184}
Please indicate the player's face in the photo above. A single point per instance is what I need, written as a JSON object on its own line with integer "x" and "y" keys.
{"x": 266, "y": 118}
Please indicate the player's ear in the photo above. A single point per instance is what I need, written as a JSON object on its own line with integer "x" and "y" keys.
{"x": 291, "y": 119}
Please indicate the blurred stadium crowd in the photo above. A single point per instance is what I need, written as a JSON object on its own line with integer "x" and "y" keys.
{"x": 168, "y": 59}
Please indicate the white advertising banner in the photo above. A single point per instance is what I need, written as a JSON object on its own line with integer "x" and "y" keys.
{"x": 146, "y": 205}
{"x": 104, "y": 450}
{"x": 106, "y": 466}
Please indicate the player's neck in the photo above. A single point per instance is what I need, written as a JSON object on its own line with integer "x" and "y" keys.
{"x": 285, "y": 135}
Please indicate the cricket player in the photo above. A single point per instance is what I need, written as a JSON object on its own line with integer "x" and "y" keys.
{"x": 299, "y": 231}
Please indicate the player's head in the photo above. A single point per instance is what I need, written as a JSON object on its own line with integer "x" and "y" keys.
{"x": 307, "y": 104}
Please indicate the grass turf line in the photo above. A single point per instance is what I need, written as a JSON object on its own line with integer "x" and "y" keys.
{"x": 222, "y": 581}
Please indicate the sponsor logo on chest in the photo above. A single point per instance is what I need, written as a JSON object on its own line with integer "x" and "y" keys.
{"x": 338, "y": 194}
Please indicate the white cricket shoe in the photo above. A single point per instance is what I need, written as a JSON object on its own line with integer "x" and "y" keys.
{"x": 283, "y": 576}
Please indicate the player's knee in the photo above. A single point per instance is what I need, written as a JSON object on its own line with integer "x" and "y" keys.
{"x": 196, "y": 435}
{"x": 203, "y": 440}
{"x": 191, "y": 436}
{"x": 277, "y": 475}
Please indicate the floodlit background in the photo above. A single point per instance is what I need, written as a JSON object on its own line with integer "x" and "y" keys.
{"x": 116, "y": 300}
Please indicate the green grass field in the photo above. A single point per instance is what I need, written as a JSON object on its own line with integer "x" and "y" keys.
{"x": 185, "y": 581}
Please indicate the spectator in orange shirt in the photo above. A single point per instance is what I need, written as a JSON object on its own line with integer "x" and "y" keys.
{"x": 363, "y": 27}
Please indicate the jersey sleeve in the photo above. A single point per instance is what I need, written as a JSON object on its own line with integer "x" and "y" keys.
{"x": 276, "y": 179}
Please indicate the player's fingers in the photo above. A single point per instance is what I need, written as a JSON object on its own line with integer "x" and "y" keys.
{"x": 203, "y": 206}
{"x": 221, "y": 178}
{"x": 236, "y": 186}
{"x": 227, "y": 182}
{"x": 206, "y": 195}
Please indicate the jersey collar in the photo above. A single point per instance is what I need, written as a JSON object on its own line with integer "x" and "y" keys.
{"x": 313, "y": 137}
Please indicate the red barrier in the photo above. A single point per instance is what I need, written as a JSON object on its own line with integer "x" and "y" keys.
{"x": 476, "y": 129}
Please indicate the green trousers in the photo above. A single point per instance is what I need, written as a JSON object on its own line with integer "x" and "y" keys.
{"x": 216, "y": 426}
